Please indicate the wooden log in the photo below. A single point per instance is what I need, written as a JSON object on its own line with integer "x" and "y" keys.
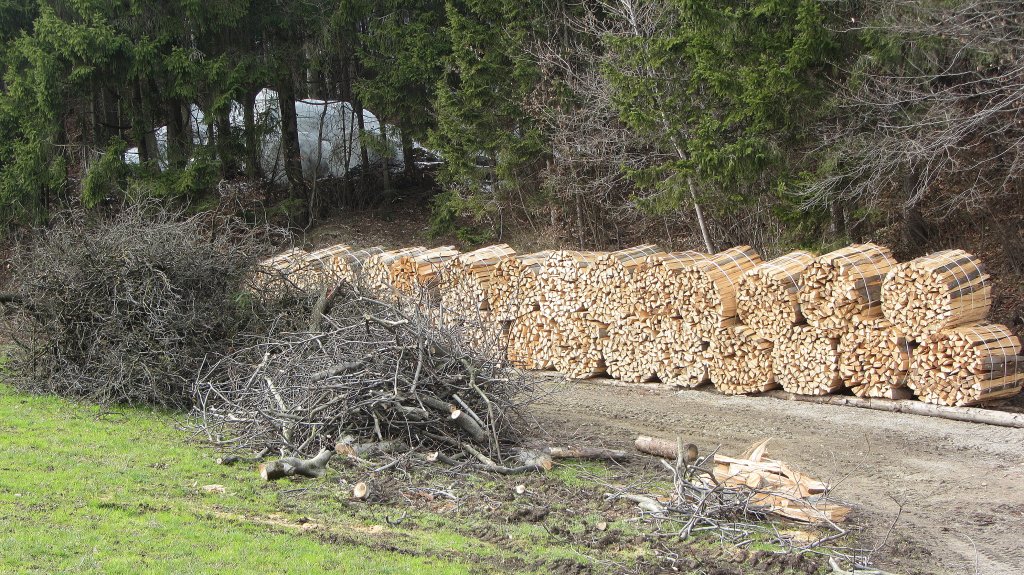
{"x": 914, "y": 407}
{"x": 579, "y": 345}
{"x": 631, "y": 349}
{"x": 845, "y": 286}
{"x": 465, "y": 282}
{"x": 740, "y": 361}
{"x": 665, "y": 448}
{"x": 968, "y": 365}
{"x": 288, "y": 466}
{"x": 681, "y": 354}
{"x": 658, "y": 283}
{"x": 531, "y": 341}
{"x": 806, "y": 361}
{"x": 874, "y": 360}
{"x": 514, "y": 289}
{"x": 768, "y": 299}
{"x": 608, "y": 289}
{"x": 939, "y": 291}
{"x": 708, "y": 289}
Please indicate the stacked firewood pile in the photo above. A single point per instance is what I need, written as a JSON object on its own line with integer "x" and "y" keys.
{"x": 854, "y": 318}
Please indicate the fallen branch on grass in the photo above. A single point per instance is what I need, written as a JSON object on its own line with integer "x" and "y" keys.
{"x": 314, "y": 468}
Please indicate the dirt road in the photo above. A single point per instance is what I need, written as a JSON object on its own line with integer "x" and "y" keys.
{"x": 960, "y": 484}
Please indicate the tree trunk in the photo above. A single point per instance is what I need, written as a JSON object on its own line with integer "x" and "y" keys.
{"x": 700, "y": 216}
{"x": 252, "y": 152}
{"x": 177, "y": 152}
{"x": 364, "y": 156}
{"x": 385, "y": 171}
{"x": 408, "y": 156}
{"x": 290, "y": 137}
{"x": 225, "y": 145}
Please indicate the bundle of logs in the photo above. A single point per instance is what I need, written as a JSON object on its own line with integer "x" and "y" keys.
{"x": 851, "y": 319}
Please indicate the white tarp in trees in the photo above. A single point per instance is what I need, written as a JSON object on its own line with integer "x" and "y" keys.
{"x": 331, "y": 124}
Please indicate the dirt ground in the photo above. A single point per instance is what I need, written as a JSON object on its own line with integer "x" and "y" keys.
{"x": 959, "y": 484}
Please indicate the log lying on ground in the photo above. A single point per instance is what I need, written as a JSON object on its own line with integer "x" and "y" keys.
{"x": 806, "y": 361}
{"x": 514, "y": 289}
{"x": 562, "y": 279}
{"x": 465, "y": 281}
{"x": 658, "y": 283}
{"x": 845, "y": 286}
{"x": 609, "y": 289}
{"x": 631, "y": 349}
{"x": 935, "y": 292}
{"x": 874, "y": 360}
{"x": 741, "y": 361}
{"x": 531, "y": 341}
{"x": 708, "y": 290}
{"x": 315, "y": 467}
{"x": 378, "y": 273}
{"x": 768, "y": 300}
{"x": 681, "y": 356}
{"x": 413, "y": 273}
{"x": 914, "y": 407}
{"x": 579, "y": 345}
{"x": 665, "y": 448}
{"x": 968, "y": 365}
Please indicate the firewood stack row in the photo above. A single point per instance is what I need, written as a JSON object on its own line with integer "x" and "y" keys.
{"x": 852, "y": 318}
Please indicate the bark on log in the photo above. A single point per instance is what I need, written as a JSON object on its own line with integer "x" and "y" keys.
{"x": 968, "y": 414}
{"x": 665, "y": 448}
{"x": 289, "y": 466}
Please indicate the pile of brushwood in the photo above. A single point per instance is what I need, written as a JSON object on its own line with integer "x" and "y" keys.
{"x": 362, "y": 371}
{"x": 126, "y": 308}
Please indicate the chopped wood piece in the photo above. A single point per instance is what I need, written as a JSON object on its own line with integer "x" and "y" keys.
{"x": 939, "y": 291}
{"x": 465, "y": 282}
{"x": 562, "y": 279}
{"x": 658, "y": 282}
{"x": 379, "y": 275}
{"x": 609, "y": 288}
{"x": 417, "y": 272}
{"x": 845, "y": 286}
{"x": 740, "y": 361}
{"x": 666, "y": 449}
{"x": 631, "y": 350}
{"x": 681, "y": 354}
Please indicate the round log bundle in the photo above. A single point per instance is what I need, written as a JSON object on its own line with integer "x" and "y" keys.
{"x": 280, "y": 273}
{"x": 465, "y": 282}
{"x": 561, "y": 278}
{"x": 845, "y": 286}
{"x": 609, "y": 290}
{"x": 874, "y": 360}
{"x": 657, "y": 283}
{"x": 631, "y": 349}
{"x": 682, "y": 354}
{"x": 531, "y": 341}
{"x": 968, "y": 365}
{"x": 806, "y": 361}
{"x": 740, "y": 361}
{"x": 419, "y": 271}
{"x": 939, "y": 291}
{"x": 579, "y": 345}
{"x": 768, "y": 300}
{"x": 514, "y": 288}
{"x": 348, "y": 265}
{"x": 707, "y": 290}
{"x": 316, "y": 270}
{"x": 378, "y": 276}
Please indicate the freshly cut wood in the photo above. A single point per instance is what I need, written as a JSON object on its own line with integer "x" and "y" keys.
{"x": 531, "y": 341}
{"x": 682, "y": 354}
{"x": 416, "y": 272}
{"x": 631, "y": 349}
{"x": 514, "y": 288}
{"x": 665, "y": 448}
{"x": 378, "y": 273}
{"x": 708, "y": 289}
{"x": 479, "y": 331}
{"x": 278, "y": 274}
{"x": 562, "y": 279}
{"x": 316, "y": 272}
{"x": 968, "y": 414}
{"x": 874, "y": 360}
{"x": 348, "y": 265}
{"x": 768, "y": 300}
{"x": 465, "y": 281}
{"x": 806, "y": 361}
{"x": 935, "y": 292}
{"x": 741, "y": 361}
{"x": 658, "y": 282}
{"x": 968, "y": 365}
{"x": 288, "y": 466}
{"x": 845, "y": 286}
{"x": 609, "y": 288}
{"x": 778, "y": 488}
{"x": 579, "y": 345}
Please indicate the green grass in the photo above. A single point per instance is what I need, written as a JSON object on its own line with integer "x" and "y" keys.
{"x": 87, "y": 492}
